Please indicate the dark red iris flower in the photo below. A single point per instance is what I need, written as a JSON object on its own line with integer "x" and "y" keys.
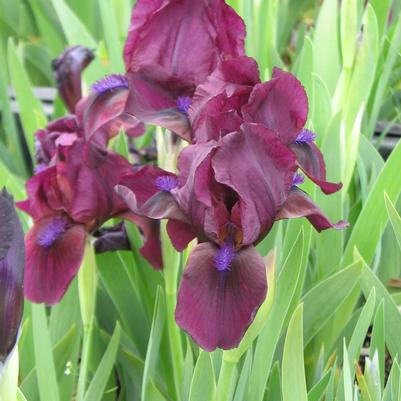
{"x": 172, "y": 47}
{"x": 228, "y": 195}
{"x": 70, "y": 198}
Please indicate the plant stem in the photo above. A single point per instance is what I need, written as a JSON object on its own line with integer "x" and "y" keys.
{"x": 87, "y": 284}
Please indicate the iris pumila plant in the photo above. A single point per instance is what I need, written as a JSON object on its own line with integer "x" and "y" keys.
{"x": 72, "y": 195}
{"x": 12, "y": 264}
{"x": 186, "y": 71}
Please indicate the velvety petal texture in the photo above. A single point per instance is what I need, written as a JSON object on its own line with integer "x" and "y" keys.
{"x": 280, "y": 104}
{"x": 262, "y": 180}
{"x": 67, "y": 69}
{"x": 216, "y": 307}
{"x": 102, "y": 115}
{"x": 298, "y": 204}
{"x": 12, "y": 265}
{"x": 46, "y": 139}
{"x": 54, "y": 249}
{"x": 187, "y": 38}
{"x": 155, "y": 97}
{"x": 310, "y": 160}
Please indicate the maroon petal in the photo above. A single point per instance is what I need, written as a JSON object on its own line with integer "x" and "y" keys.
{"x": 44, "y": 194}
{"x": 259, "y": 167}
{"x": 102, "y": 115}
{"x": 162, "y": 205}
{"x": 67, "y": 70}
{"x": 218, "y": 117}
{"x": 144, "y": 182}
{"x": 232, "y": 78}
{"x": 310, "y": 160}
{"x": 298, "y": 204}
{"x": 54, "y": 255}
{"x": 186, "y": 37}
{"x": 12, "y": 265}
{"x": 281, "y": 104}
{"x": 155, "y": 97}
{"x": 216, "y": 307}
{"x": 46, "y": 139}
{"x": 150, "y": 229}
{"x": 180, "y": 233}
{"x": 92, "y": 197}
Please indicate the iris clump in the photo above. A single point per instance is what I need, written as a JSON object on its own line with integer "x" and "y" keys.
{"x": 247, "y": 144}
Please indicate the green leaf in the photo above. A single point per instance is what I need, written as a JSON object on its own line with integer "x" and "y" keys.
{"x": 152, "y": 353}
{"x": 395, "y": 218}
{"x": 98, "y": 384}
{"x": 294, "y": 382}
{"x": 31, "y": 110}
{"x": 388, "y": 65}
{"x": 373, "y": 218}
{"x": 77, "y": 34}
{"x": 45, "y": 368}
{"x": 268, "y": 338}
{"x": 377, "y": 344}
{"x": 393, "y": 317}
{"x": 114, "y": 47}
{"x": 304, "y": 65}
{"x": 20, "y": 396}
{"x": 326, "y": 45}
{"x": 118, "y": 285}
{"x": 243, "y": 380}
{"x": 317, "y": 391}
{"x": 323, "y": 300}
{"x": 203, "y": 386}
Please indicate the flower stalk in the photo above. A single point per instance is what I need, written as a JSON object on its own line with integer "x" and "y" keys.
{"x": 87, "y": 284}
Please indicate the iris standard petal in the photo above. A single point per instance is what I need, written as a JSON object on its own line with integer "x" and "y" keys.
{"x": 259, "y": 167}
{"x": 155, "y": 97}
{"x": 203, "y": 32}
{"x": 280, "y": 104}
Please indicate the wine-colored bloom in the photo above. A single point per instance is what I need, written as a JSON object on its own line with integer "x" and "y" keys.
{"x": 46, "y": 139}
{"x": 228, "y": 195}
{"x": 12, "y": 264}
{"x": 102, "y": 114}
{"x": 162, "y": 67}
{"x": 213, "y": 201}
{"x": 67, "y": 69}
{"x": 68, "y": 200}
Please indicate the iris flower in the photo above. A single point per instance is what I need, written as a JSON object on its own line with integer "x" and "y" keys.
{"x": 172, "y": 47}
{"x": 228, "y": 195}
{"x": 12, "y": 264}
{"x": 68, "y": 199}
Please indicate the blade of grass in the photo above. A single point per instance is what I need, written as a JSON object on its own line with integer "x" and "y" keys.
{"x": 98, "y": 384}
{"x": 293, "y": 381}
